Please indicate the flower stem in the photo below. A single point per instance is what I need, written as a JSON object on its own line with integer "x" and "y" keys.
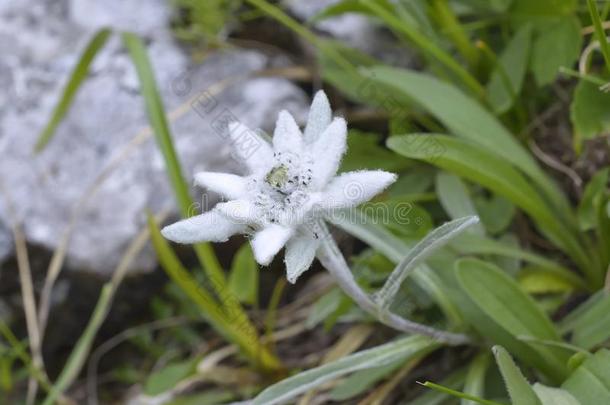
{"x": 332, "y": 259}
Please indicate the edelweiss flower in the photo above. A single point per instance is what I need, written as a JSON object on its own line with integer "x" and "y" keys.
{"x": 290, "y": 187}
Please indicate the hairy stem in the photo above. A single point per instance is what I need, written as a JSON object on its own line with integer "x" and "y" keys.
{"x": 332, "y": 259}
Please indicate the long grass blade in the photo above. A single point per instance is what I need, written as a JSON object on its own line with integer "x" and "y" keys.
{"x": 158, "y": 121}
{"x": 78, "y": 356}
{"x": 156, "y": 114}
{"x": 458, "y": 394}
{"x": 426, "y": 46}
{"x": 599, "y": 32}
{"x": 74, "y": 82}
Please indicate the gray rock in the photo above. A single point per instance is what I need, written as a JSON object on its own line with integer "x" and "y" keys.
{"x": 143, "y": 17}
{"x": 107, "y": 113}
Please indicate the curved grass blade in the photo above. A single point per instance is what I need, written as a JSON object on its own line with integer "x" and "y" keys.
{"x": 599, "y": 32}
{"x": 459, "y": 394}
{"x": 158, "y": 121}
{"x": 76, "y": 79}
{"x": 433, "y": 241}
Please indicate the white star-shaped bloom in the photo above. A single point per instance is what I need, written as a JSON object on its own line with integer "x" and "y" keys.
{"x": 291, "y": 185}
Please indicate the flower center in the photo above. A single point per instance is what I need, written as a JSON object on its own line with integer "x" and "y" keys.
{"x": 285, "y": 188}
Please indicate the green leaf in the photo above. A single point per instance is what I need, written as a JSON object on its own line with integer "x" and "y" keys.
{"x": 499, "y": 297}
{"x": 557, "y": 44}
{"x": 507, "y": 78}
{"x": 473, "y": 244}
{"x": 401, "y": 216}
{"x": 589, "y": 324}
{"x": 554, "y": 396}
{"x": 77, "y": 77}
{"x": 496, "y": 212}
{"x": 365, "y": 151}
{"x": 382, "y": 355}
{"x": 433, "y": 241}
{"x": 243, "y": 280}
{"x": 521, "y": 393}
{"x": 539, "y": 281}
{"x": 591, "y": 198}
{"x": 455, "y": 198}
{"x": 589, "y": 111}
{"x": 169, "y": 376}
{"x": 590, "y": 382}
{"x": 417, "y": 180}
{"x": 475, "y": 163}
{"x": 464, "y": 117}
{"x": 542, "y": 8}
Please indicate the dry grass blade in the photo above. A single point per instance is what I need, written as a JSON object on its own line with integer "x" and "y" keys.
{"x": 556, "y": 164}
{"x": 116, "y": 340}
{"x": 379, "y": 395}
{"x": 27, "y": 293}
{"x": 79, "y": 353}
{"x": 590, "y": 29}
{"x": 351, "y": 341}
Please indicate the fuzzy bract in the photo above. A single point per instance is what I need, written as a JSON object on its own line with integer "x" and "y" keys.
{"x": 291, "y": 185}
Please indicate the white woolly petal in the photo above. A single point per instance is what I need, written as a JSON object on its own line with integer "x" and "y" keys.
{"x": 249, "y": 147}
{"x": 227, "y": 185}
{"x": 240, "y": 211}
{"x": 353, "y": 188}
{"x": 268, "y": 241}
{"x": 300, "y": 252}
{"x": 319, "y": 118}
{"x": 287, "y": 137}
{"x": 208, "y": 227}
{"x": 327, "y": 152}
